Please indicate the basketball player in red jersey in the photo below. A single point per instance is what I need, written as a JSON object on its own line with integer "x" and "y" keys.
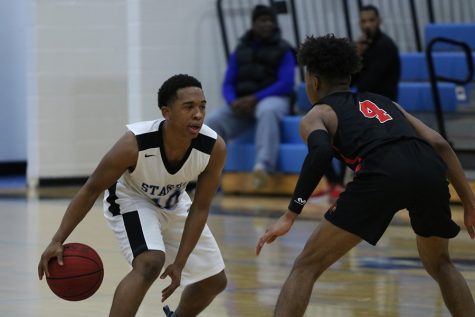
{"x": 399, "y": 163}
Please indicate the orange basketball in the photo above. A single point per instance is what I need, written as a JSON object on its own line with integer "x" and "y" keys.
{"x": 80, "y": 275}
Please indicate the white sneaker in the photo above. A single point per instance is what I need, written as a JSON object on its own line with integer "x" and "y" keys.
{"x": 260, "y": 177}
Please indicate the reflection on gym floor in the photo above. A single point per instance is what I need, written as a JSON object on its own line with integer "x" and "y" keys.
{"x": 386, "y": 280}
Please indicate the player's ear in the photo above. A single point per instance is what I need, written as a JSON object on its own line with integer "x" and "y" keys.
{"x": 316, "y": 82}
{"x": 165, "y": 111}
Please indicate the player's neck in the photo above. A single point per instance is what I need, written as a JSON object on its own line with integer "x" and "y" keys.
{"x": 174, "y": 142}
{"x": 331, "y": 90}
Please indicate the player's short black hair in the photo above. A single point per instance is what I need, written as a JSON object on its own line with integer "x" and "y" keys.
{"x": 334, "y": 59}
{"x": 167, "y": 92}
{"x": 370, "y": 7}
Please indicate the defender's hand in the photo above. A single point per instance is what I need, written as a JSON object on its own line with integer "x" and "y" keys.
{"x": 279, "y": 228}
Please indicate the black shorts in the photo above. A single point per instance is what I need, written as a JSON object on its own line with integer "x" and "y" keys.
{"x": 405, "y": 174}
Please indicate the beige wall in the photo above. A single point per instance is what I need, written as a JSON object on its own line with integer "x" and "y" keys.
{"x": 95, "y": 65}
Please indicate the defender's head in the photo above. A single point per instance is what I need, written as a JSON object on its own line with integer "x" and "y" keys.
{"x": 329, "y": 63}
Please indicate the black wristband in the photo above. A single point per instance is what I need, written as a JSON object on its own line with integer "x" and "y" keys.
{"x": 316, "y": 162}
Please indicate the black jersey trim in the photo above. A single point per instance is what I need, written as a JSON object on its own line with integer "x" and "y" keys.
{"x": 171, "y": 168}
{"x": 114, "y": 207}
{"x": 148, "y": 140}
{"x": 204, "y": 143}
{"x": 133, "y": 227}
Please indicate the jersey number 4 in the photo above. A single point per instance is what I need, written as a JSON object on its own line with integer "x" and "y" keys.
{"x": 371, "y": 110}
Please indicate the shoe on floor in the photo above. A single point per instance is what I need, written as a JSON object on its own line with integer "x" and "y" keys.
{"x": 168, "y": 312}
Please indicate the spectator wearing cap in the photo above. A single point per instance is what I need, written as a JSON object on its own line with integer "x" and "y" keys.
{"x": 257, "y": 87}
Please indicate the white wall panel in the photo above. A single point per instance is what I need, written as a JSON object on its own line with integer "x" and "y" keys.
{"x": 13, "y": 28}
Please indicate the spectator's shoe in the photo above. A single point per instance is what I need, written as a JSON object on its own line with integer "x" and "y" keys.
{"x": 321, "y": 196}
{"x": 168, "y": 312}
{"x": 260, "y": 178}
{"x": 327, "y": 195}
{"x": 335, "y": 193}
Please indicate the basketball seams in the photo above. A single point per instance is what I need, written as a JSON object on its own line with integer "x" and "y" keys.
{"x": 74, "y": 276}
{"x": 99, "y": 264}
{"x": 80, "y": 295}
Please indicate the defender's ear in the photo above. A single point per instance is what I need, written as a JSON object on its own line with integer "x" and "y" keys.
{"x": 316, "y": 82}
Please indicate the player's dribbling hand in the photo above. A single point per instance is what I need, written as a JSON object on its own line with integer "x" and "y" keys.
{"x": 53, "y": 250}
{"x": 277, "y": 229}
{"x": 174, "y": 272}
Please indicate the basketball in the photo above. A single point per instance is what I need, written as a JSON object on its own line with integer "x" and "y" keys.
{"x": 80, "y": 275}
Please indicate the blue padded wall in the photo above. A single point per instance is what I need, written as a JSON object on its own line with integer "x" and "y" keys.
{"x": 447, "y": 64}
{"x": 457, "y": 31}
{"x": 417, "y": 97}
{"x": 240, "y": 157}
{"x": 289, "y": 130}
{"x": 291, "y": 157}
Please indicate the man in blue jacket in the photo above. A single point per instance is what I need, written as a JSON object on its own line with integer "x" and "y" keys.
{"x": 257, "y": 87}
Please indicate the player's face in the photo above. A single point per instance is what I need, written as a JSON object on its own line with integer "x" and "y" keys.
{"x": 187, "y": 112}
{"x": 263, "y": 27}
{"x": 369, "y": 23}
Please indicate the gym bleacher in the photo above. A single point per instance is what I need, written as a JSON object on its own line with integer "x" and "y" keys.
{"x": 415, "y": 95}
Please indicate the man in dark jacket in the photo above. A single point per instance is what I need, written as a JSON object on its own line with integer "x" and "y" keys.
{"x": 257, "y": 87}
{"x": 381, "y": 65}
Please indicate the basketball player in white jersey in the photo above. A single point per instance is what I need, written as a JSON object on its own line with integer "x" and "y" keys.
{"x": 144, "y": 177}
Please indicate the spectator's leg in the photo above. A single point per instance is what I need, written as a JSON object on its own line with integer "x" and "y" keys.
{"x": 269, "y": 112}
{"x": 226, "y": 123}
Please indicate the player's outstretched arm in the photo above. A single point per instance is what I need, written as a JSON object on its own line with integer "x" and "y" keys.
{"x": 313, "y": 129}
{"x": 455, "y": 171}
{"x": 114, "y": 163}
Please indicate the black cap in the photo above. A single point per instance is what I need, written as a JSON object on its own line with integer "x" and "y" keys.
{"x": 260, "y": 10}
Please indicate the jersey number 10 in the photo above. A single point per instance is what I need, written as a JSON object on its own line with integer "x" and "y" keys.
{"x": 371, "y": 110}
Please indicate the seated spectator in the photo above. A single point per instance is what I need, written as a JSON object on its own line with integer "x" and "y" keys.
{"x": 258, "y": 83}
{"x": 380, "y": 56}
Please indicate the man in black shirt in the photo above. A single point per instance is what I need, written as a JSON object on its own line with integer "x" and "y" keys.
{"x": 381, "y": 66}
{"x": 399, "y": 163}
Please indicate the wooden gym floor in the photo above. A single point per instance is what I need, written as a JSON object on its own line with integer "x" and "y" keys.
{"x": 386, "y": 280}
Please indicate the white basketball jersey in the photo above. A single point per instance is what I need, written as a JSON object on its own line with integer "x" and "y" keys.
{"x": 153, "y": 178}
